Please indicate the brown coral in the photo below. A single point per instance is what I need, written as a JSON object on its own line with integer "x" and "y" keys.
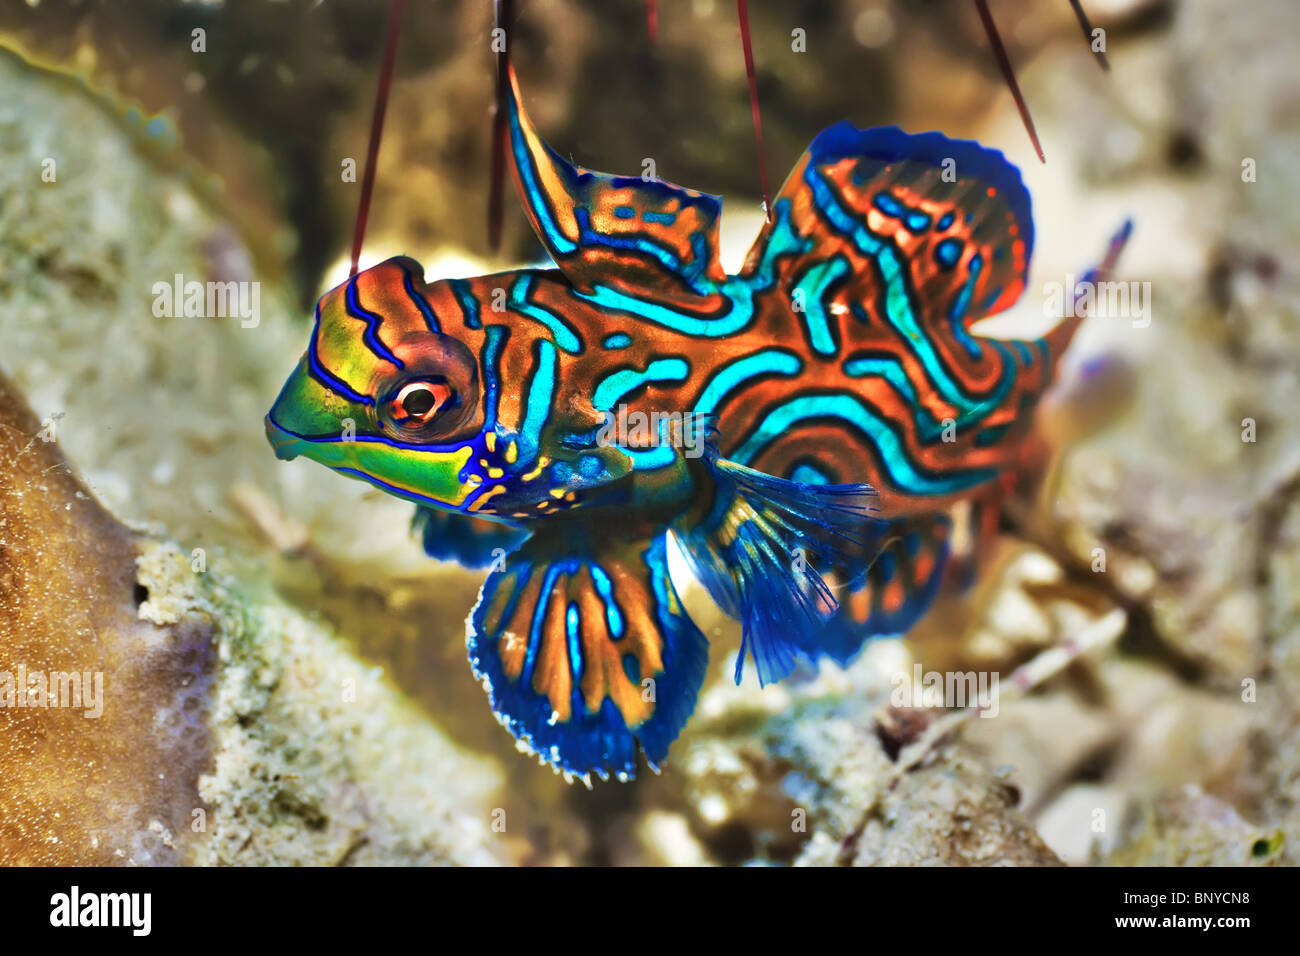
{"x": 77, "y": 788}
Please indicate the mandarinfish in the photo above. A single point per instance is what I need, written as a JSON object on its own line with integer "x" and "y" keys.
{"x": 812, "y": 420}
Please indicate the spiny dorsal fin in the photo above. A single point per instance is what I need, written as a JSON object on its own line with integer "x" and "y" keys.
{"x": 645, "y": 235}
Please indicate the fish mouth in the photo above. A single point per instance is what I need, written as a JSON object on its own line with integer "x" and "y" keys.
{"x": 284, "y": 443}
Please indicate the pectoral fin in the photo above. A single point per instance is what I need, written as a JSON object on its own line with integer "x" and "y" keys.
{"x": 758, "y": 550}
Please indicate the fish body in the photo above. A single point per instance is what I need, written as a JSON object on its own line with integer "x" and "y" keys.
{"x": 801, "y": 427}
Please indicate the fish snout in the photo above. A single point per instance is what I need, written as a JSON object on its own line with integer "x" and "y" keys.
{"x": 284, "y": 443}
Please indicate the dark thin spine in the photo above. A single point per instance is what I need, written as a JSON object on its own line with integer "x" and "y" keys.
{"x": 496, "y": 194}
{"x": 1004, "y": 64}
{"x": 742, "y": 9}
{"x": 394, "y": 30}
{"x": 1086, "y": 24}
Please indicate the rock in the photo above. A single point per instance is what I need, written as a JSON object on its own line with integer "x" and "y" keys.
{"x": 818, "y": 779}
{"x": 1191, "y": 828}
{"x": 1082, "y": 824}
{"x": 113, "y": 781}
{"x": 863, "y": 810}
{"x": 223, "y": 728}
{"x": 316, "y": 759}
{"x": 305, "y": 694}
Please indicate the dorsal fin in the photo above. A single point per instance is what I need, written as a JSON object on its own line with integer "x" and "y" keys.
{"x": 644, "y": 235}
{"x": 944, "y": 222}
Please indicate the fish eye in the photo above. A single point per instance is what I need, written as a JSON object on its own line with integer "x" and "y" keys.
{"x": 417, "y": 403}
{"x": 420, "y": 401}
{"x": 434, "y": 396}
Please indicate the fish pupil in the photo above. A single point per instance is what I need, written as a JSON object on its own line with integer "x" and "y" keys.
{"x": 419, "y": 402}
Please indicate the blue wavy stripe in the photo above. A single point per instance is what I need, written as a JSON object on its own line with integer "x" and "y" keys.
{"x": 809, "y": 475}
{"x": 961, "y": 304}
{"x": 740, "y": 309}
{"x": 898, "y": 307}
{"x": 535, "y": 635}
{"x": 613, "y": 387}
{"x": 928, "y": 427}
{"x": 814, "y": 284}
{"x": 572, "y": 624}
{"x": 496, "y": 336}
{"x": 605, "y": 588}
{"x": 420, "y": 302}
{"x": 565, "y": 337}
{"x": 729, "y": 377}
{"x": 689, "y": 272}
{"x": 559, "y": 242}
{"x": 468, "y": 304}
{"x": 739, "y": 292}
{"x": 540, "y": 392}
{"x": 893, "y": 457}
{"x": 373, "y": 320}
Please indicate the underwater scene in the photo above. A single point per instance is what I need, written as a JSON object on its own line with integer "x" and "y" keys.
{"x": 649, "y": 433}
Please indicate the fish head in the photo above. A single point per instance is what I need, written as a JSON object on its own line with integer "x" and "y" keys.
{"x": 382, "y": 394}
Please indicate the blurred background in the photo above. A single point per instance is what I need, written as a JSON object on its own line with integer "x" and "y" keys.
{"x": 290, "y": 668}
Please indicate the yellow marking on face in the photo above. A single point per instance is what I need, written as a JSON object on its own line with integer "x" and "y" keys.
{"x": 512, "y": 452}
{"x": 483, "y": 462}
{"x": 557, "y": 492}
{"x": 532, "y": 474}
{"x": 487, "y": 495}
{"x": 474, "y": 479}
{"x": 490, "y": 439}
{"x": 570, "y": 496}
{"x": 496, "y": 473}
{"x": 543, "y": 505}
{"x": 441, "y": 480}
